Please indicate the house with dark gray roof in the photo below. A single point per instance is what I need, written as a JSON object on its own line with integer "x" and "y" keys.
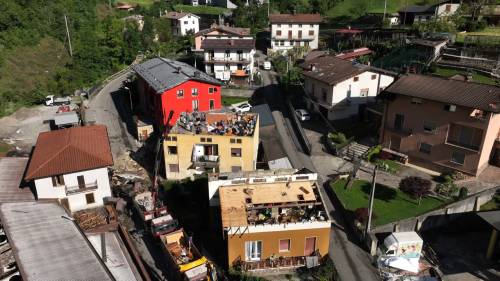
{"x": 339, "y": 88}
{"x": 165, "y": 85}
{"x": 443, "y": 124}
{"x": 421, "y": 13}
{"x": 182, "y": 23}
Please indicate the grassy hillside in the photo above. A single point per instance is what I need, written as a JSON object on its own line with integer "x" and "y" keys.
{"x": 202, "y": 9}
{"x": 27, "y": 71}
{"x": 346, "y": 8}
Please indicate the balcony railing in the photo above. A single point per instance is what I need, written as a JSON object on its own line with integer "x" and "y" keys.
{"x": 294, "y": 37}
{"x": 206, "y": 161}
{"x": 474, "y": 147}
{"x": 275, "y": 263}
{"x": 81, "y": 188}
{"x": 239, "y": 59}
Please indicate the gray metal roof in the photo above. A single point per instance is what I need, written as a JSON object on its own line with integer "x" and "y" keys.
{"x": 265, "y": 115}
{"x": 47, "y": 246}
{"x": 163, "y": 74}
{"x": 491, "y": 217}
{"x": 11, "y": 178}
{"x": 66, "y": 118}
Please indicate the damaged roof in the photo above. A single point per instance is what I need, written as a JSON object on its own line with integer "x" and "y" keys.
{"x": 468, "y": 94}
{"x": 163, "y": 74}
{"x": 70, "y": 150}
{"x": 48, "y": 246}
{"x": 295, "y": 18}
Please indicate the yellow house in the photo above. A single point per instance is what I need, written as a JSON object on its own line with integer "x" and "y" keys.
{"x": 211, "y": 142}
{"x": 276, "y": 222}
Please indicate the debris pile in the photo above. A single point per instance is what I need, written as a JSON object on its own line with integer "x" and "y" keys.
{"x": 237, "y": 124}
{"x": 88, "y": 219}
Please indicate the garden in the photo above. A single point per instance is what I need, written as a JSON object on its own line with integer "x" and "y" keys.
{"x": 382, "y": 160}
{"x": 390, "y": 204}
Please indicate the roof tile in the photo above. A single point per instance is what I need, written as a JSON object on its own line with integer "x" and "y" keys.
{"x": 295, "y": 18}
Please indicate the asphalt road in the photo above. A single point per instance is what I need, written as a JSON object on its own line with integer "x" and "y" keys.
{"x": 352, "y": 262}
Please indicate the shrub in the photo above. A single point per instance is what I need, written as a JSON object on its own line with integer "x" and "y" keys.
{"x": 463, "y": 192}
{"x": 373, "y": 153}
{"x": 447, "y": 187}
{"x": 361, "y": 215}
{"x": 415, "y": 187}
{"x": 338, "y": 138}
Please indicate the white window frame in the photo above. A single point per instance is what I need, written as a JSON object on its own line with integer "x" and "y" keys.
{"x": 253, "y": 250}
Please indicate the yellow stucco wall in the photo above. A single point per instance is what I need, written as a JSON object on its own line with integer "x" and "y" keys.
{"x": 185, "y": 142}
{"x": 270, "y": 243}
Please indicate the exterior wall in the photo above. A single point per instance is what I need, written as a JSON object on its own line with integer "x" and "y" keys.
{"x": 270, "y": 243}
{"x": 337, "y": 95}
{"x": 213, "y": 185}
{"x": 225, "y": 66}
{"x": 276, "y": 40}
{"x": 441, "y": 9}
{"x": 77, "y": 201}
{"x": 491, "y": 136}
{"x": 216, "y": 35}
{"x": 413, "y": 134}
{"x": 185, "y": 142}
{"x": 182, "y": 26}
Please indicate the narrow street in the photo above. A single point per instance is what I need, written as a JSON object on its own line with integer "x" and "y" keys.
{"x": 351, "y": 261}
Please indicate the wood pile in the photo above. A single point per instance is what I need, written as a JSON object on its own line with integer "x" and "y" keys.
{"x": 89, "y": 219}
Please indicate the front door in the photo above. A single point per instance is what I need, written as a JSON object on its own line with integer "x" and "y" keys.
{"x": 253, "y": 250}
{"x": 399, "y": 121}
{"x": 81, "y": 182}
{"x": 310, "y": 247}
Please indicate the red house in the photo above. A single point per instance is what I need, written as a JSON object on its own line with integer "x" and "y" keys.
{"x": 166, "y": 85}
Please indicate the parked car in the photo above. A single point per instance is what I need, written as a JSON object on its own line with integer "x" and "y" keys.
{"x": 302, "y": 114}
{"x": 244, "y": 107}
{"x": 266, "y": 65}
{"x": 53, "y": 100}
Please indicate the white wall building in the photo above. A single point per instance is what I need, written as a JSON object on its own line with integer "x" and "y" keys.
{"x": 339, "y": 88}
{"x": 289, "y": 30}
{"x": 416, "y": 13}
{"x": 71, "y": 165}
{"x": 229, "y": 59}
{"x": 183, "y": 23}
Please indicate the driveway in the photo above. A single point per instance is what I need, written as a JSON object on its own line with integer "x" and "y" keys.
{"x": 351, "y": 261}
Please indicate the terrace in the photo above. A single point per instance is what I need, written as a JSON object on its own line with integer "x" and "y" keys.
{"x": 223, "y": 124}
{"x": 277, "y": 203}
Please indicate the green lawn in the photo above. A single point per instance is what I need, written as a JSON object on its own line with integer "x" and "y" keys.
{"x": 202, "y": 9}
{"x": 491, "y": 31}
{"x": 392, "y": 166}
{"x": 390, "y": 204}
{"x": 493, "y": 204}
{"x": 476, "y": 77}
{"x": 227, "y": 101}
{"x": 373, "y": 6}
{"x": 144, "y": 3}
{"x": 4, "y": 148}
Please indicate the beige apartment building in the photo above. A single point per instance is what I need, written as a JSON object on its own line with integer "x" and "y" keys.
{"x": 443, "y": 124}
{"x": 202, "y": 142}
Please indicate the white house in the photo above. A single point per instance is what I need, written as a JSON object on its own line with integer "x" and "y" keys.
{"x": 229, "y": 59}
{"x": 71, "y": 165}
{"x": 289, "y": 30}
{"x": 183, "y": 23}
{"x": 339, "y": 88}
{"x": 416, "y": 13}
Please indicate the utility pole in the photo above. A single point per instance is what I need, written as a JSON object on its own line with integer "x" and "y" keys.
{"x": 69, "y": 38}
{"x": 385, "y": 10}
{"x": 370, "y": 204}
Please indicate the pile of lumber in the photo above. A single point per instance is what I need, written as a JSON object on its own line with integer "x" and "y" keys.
{"x": 89, "y": 219}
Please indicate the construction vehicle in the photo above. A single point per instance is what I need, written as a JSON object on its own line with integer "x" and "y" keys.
{"x": 151, "y": 210}
{"x": 51, "y": 100}
{"x": 187, "y": 263}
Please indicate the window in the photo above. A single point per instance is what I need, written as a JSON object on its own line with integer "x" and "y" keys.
{"x": 278, "y": 32}
{"x": 356, "y": 78}
{"x": 300, "y": 25}
{"x": 425, "y": 148}
{"x": 238, "y": 140}
{"x": 374, "y": 76}
{"x": 253, "y": 250}
{"x": 312, "y": 25}
{"x": 458, "y": 157}
{"x": 416, "y": 101}
{"x": 289, "y": 25}
{"x": 284, "y": 245}
{"x": 57, "y": 180}
{"x": 282, "y": 43}
{"x": 180, "y": 93}
{"x": 212, "y": 90}
{"x": 235, "y": 169}
{"x": 169, "y": 138}
{"x": 364, "y": 92}
{"x": 212, "y": 104}
{"x": 90, "y": 198}
{"x": 464, "y": 136}
{"x": 194, "y": 92}
{"x": 209, "y": 139}
{"x": 236, "y": 152}
{"x": 173, "y": 168}
{"x": 450, "y": 107}
{"x": 195, "y": 105}
{"x": 81, "y": 181}
{"x": 172, "y": 150}
{"x": 232, "y": 140}
{"x": 185, "y": 22}
{"x": 448, "y": 8}
{"x": 429, "y": 127}
{"x": 279, "y": 25}
{"x": 399, "y": 121}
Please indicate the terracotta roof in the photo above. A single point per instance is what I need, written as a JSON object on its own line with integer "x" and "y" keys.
{"x": 240, "y": 31}
{"x": 70, "y": 150}
{"x": 332, "y": 70}
{"x": 468, "y": 94}
{"x": 295, "y": 18}
{"x": 210, "y": 44}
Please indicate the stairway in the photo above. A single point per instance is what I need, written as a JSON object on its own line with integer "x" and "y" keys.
{"x": 356, "y": 150}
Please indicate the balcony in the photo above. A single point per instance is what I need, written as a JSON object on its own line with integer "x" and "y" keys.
{"x": 206, "y": 161}
{"x": 70, "y": 190}
{"x": 293, "y": 38}
{"x": 230, "y": 60}
{"x": 276, "y": 263}
{"x": 469, "y": 146}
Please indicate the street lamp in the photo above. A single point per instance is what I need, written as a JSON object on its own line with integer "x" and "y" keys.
{"x": 130, "y": 98}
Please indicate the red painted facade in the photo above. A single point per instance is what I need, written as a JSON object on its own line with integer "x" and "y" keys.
{"x": 172, "y": 100}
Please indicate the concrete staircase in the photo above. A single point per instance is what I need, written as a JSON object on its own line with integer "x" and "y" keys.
{"x": 356, "y": 150}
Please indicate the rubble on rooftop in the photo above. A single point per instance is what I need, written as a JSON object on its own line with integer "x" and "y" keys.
{"x": 228, "y": 124}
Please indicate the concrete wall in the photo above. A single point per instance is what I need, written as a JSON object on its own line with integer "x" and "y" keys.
{"x": 295, "y": 28}
{"x": 45, "y": 189}
{"x": 270, "y": 243}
